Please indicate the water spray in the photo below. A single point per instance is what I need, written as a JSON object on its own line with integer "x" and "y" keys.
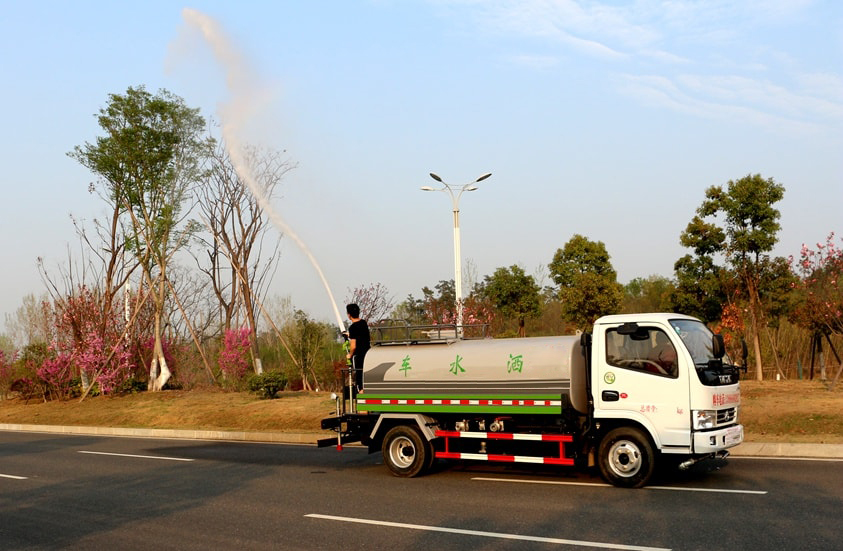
{"x": 232, "y": 115}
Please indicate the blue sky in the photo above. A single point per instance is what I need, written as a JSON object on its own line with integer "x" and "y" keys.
{"x": 607, "y": 119}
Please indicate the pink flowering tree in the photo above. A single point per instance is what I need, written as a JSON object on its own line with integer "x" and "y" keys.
{"x": 56, "y": 374}
{"x": 88, "y": 342}
{"x": 820, "y": 273}
{"x": 234, "y": 356}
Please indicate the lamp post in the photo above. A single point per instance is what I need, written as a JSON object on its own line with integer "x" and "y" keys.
{"x": 455, "y": 201}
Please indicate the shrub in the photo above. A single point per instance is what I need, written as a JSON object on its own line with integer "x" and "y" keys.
{"x": 131, "y": 386}
{"x": 267, "y": 384}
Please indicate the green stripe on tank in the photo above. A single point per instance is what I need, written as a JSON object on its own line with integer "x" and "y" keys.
{"x": 461, "y": 408}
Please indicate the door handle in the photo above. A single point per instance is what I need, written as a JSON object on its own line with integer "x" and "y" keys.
{"x": 610, "y": 396}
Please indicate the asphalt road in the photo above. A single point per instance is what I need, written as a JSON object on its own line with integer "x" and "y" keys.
{"x": 87, "y": 492}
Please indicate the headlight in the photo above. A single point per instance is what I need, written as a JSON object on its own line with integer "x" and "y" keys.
{"x": 703, "y": 419}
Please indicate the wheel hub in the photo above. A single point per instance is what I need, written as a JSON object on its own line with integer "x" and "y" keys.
{"x": 624, "y": 458}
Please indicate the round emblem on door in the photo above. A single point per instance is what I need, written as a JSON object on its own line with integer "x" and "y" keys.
{"x": 609, "y": 377}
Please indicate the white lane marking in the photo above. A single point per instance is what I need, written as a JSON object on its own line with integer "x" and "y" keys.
{"x": 138, "y": 456}
{"x": 13, "y": 477}
{"x": 599, "y": 485}
{"x": 499, "y": 535}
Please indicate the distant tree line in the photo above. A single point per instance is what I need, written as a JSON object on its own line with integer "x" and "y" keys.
{"x": 168, "y": 287}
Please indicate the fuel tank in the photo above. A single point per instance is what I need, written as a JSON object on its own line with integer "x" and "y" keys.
{"x": 487, "y": 368}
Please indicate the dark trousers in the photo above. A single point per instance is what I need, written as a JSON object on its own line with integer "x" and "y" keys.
{"x": 357, "y": 364}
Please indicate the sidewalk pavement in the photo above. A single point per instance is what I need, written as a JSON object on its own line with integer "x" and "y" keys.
{"x": 747, "y": 449}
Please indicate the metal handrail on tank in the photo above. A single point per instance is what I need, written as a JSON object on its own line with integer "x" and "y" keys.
{"x": 390, "y": 331}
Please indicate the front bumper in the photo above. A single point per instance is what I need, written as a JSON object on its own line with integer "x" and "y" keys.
{"x": 711, "y": 441}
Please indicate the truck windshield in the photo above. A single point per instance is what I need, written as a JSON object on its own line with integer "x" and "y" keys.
{"x": 697, "y": 338}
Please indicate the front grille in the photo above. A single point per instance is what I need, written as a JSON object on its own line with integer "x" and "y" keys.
{"x": 726, "y": 416}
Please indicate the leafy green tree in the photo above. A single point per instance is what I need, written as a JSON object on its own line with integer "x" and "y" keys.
{"x": 699, "y": 280}
{"x": 651, "y": 294}
{"x": 750, "y": 225}
{"x": 440, "y": 306}
{"x": 699, "y": 288}
{"x": 150, "y": 156}
{"x": 514, "y": 293}
{"x": 307, "y": 338}
{"x": 588, "y": 286}
{"x": 410, "y": 310}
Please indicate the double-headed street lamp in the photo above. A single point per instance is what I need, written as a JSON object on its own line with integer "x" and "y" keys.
{"x": 455, "y": 201}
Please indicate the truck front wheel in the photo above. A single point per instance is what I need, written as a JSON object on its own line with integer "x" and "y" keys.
{"x": 626, "y": 457}
{"x": 405, "y": 452}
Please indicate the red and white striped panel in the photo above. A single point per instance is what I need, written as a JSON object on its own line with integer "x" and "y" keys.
{"x": 560, "y": 438}
{"x": 505, "y": 458}
{"x": 455, "y": 402}
{"x": 505, "y": 436}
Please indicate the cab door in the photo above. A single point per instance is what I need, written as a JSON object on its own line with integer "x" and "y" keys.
{"x": 642, "y": 376}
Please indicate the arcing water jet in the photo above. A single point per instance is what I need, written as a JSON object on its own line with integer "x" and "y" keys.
{"x": 233, "y": 115}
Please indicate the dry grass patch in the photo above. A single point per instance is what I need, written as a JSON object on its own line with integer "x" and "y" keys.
{"x": 207, "y": 410}
{"x": 792, "y": 411}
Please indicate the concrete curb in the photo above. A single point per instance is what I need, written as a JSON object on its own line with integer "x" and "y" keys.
{"x": 237, "y": 436}
{"x": 747, "y": 449}
{"x": 790, "y": 450}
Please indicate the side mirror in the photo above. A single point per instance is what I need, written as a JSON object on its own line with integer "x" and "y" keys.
{"x": 718, "y": 346}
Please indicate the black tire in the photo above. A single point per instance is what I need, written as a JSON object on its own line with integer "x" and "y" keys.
{"x": 626, "y": 458}
{"x": 405, "y": 452}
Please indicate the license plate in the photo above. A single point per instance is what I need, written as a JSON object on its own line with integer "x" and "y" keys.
{"x": 733, "y": 436}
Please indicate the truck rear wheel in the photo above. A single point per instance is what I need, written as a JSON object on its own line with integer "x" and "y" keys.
{"x": 405, "y": 452}
{"x": 626, "y": 458}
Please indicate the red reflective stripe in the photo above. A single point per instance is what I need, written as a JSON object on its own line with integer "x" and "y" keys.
{"x": 447, "y": 433}
{"x": 558, "y": 437}
{"x": 500, "y": 436}
{"x": 495, "y": 457}
{"x": 558, "y": 461}
{"x": 447, "y": 455}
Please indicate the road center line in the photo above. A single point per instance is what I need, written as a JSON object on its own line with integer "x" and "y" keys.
{"x": 13, "y": 477}
{"x": 138, "y": 456}
{"x": 599, "y": 485}
{"x": 499, "y": 535}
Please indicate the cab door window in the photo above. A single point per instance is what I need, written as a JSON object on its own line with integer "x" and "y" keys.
{"x": 648, "y": 350}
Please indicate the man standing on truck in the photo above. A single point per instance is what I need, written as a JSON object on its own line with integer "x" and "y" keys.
{"x": 358, "y": 340}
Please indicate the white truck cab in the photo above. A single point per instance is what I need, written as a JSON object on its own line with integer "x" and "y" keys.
{"x": 665, "y": 373}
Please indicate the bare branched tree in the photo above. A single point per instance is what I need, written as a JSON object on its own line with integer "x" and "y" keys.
{"x": 374, "y": 301}
{"x": 241, "y": 252}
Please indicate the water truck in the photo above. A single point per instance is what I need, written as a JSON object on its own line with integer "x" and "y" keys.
{"x": 640, "y": 390}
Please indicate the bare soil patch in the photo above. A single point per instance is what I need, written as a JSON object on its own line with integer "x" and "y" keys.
{"x": 771, "y": 411}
